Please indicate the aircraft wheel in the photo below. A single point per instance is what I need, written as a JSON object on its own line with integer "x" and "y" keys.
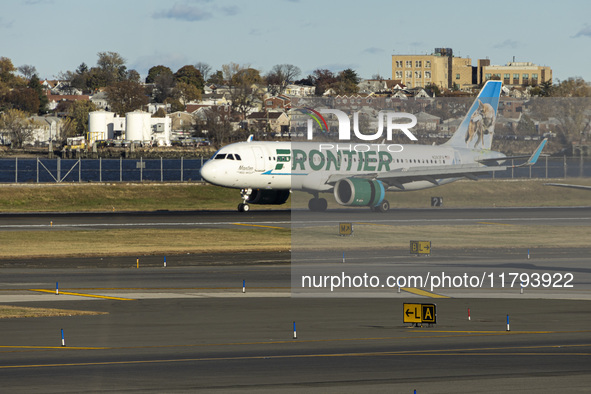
{"x": 317, "y": 204}
{"x": 384, "y": 206}
{"x": 322, "y": 204}
{"x": 243, "y": 207}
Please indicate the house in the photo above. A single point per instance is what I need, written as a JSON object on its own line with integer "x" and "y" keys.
{"x": 182, "y": 121}
{"x": 299, "y": 90}
{"x": 100, "y": 100}
{"x": 48, "y": 128}
{"x": 54, "y": 100}
{"x": 275, "y": 122}
{"x": 427, "y": 121}
{"x": 280, "y": 102}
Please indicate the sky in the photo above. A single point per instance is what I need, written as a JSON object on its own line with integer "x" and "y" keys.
{"x": 58, "y": 35}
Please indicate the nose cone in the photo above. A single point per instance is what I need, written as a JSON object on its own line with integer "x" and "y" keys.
{"x": 209, "y": 172}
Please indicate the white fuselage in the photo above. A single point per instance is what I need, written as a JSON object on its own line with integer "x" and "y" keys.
{"x": 308, "y": 165}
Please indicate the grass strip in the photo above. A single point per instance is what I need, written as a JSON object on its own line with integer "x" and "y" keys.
{"x": 123, "y": 242}
{"x": 12, "y": 312}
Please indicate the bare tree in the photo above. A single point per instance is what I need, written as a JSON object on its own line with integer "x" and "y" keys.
{"x": 242, "y": 80}
{"x": 216, "y": 126}
{"x": 17, "y": 126}
{"x": 281, "y": 75}
{"x": 204, "y": 69}
{"x": 27, "y": 70}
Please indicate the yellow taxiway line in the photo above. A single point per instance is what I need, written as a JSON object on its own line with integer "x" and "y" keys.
{"x": 258, "y": 225}
{"x": 83, "y": 295}
{"x": 421, "y": 292}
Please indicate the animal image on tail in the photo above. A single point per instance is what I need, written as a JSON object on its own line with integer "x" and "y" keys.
{"x": 482, "y": 122}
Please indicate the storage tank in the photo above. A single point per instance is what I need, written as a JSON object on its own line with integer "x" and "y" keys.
{"x": 137, "y": 126}
{"x": 100, "y": 125}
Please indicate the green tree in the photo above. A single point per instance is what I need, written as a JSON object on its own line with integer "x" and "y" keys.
{"x": 35, "y": 84}
{"x": 216, "y": 78}
{"x": 156, "y": 71}
{"x": 111, "y": 68}
{"x": 126, "y": 96}
{"x": 190, "y": 76}
{"x": 164, "y": 85}
{"x": 186, "y": 92}
{"x": 133, "y": 75}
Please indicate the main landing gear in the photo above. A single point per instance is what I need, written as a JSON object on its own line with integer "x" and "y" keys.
{"x": 381, "y": 207}
{"x": 243, "y": 206}
{"x": 317, "y": 204}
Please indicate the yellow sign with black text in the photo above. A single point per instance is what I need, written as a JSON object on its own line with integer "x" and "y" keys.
{"x": 420, "y": 247}
{"x": 419, "y": 313}
{"x": 345, "y": 228}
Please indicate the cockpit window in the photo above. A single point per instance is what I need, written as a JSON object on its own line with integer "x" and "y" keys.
{"x": 237, "y": 156}
{"x": 220, "y": 156}
{"x": 230, "y": 156}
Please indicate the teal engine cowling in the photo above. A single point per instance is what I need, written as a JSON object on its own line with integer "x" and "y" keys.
{"x": 270, "y": 197}
{"x": 359, "y": 192}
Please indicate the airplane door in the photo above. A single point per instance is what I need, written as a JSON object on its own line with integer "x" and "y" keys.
{"x": 259, "y": 159}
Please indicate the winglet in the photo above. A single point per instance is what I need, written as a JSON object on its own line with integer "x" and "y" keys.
{"x": 534, "y": 157}
{"x": 250, "y": 138}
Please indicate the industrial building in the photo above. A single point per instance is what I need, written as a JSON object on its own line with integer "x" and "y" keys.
{"x": 137, "y": 126}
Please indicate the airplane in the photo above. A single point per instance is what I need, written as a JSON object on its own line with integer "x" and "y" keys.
{"x": 360, "y": 174}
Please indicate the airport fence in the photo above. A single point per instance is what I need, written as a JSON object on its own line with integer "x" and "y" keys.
{"x": 21, "y": 170}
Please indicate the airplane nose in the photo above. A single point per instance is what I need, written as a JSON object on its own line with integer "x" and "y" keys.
{"x": 208, "y": 172}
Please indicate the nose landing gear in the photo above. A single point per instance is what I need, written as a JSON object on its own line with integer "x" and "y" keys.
{"x": 243, "y": 206}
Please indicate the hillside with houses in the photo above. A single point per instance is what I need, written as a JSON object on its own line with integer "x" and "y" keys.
{"x": 109, "y": 110}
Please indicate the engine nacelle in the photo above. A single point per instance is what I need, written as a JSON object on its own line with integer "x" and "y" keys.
{"x": 359, "y": 192}
{"x": 271, "y": 197}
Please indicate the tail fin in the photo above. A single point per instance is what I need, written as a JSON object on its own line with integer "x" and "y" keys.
{"x": 477, "y": 129}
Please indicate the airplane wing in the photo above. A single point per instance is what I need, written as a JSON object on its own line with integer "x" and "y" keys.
{"x": 434, "y": 174}
{"x": 568, "y": 185}
{"x": 397, "y": 178}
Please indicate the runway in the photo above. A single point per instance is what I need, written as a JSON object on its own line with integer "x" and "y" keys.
{"x": 344, "y": 345}
{"x": 287, "y": 218}
{"x": 190, "y": 327}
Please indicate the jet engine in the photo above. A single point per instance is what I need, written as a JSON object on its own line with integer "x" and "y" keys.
{"x": 259, "y": 196}
{"x": 359, "y": 192}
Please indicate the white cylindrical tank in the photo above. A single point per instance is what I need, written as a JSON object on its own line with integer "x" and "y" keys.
{"x": 99, "y": 125}
{"x": 137, "y": 126}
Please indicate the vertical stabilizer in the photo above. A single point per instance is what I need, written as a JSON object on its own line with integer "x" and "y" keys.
{"x": 477, "y": 129}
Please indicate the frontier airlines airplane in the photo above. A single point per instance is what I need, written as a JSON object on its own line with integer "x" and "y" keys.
{"x": 359, "y": 174}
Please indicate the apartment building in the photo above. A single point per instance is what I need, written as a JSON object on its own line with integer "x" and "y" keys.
{"x": 443, "y": 69}
{"x": 517, "y": 74}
